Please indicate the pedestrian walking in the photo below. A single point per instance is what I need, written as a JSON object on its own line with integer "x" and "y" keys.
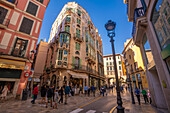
{"x": 85, "y": 90}
{"x": 88, "y": 91}
{"x": 35, "y": 93}
{"x": 61, "y": 93}
{"x": 56, "y": 98}
{"x": 81, "y": 90}
{"x": 137, "y": 92}
{"x": 67, "y": 91}
{"x": 49, "y": 96}
{"x": 126, "y": 88}
{"x": 103, "y": 90}
{"x": 43, "y": 94}
{"x": 144, "y": 93}
{"x": 149, "y": 95}
{"x": 93, "y": 90}
{"x": 53, "y": 92}
{"x": 4, "y": 92}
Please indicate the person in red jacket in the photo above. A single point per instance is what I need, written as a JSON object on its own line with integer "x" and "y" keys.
{"x": 35, "y": 93}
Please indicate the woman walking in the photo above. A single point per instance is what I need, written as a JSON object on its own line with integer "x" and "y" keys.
{"x": 4, "y": 92}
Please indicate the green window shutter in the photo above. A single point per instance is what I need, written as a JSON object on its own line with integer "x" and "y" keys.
{"x": 79, "y": 63}
{"x": 73, "y": 62}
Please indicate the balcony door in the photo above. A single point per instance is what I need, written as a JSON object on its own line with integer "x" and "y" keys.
{"x": 20, "y": 47}
{"x": 77, "y": 62}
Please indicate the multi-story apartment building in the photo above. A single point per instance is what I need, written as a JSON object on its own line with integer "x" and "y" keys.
{"x": 39, "y": 61}
{"x": 20, "y": 23}
{"x": 75, "y": 55}
{"x": 151, "y": 32}
{"x": 109, "y": 69}
{"x": 134, "y": 65}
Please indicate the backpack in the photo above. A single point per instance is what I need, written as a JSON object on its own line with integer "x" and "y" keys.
{"x": 137, "y": 92}
{"x": 49, "y": 92}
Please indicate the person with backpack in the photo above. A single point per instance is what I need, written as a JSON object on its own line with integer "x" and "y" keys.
{"x": 49, "y": 96}
{"x": 144, "y": 93}
{"x": 35, "y": 93}
{"x": 137, "y": 92}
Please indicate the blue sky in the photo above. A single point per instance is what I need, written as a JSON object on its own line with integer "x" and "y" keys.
{"x": 100, "y": 12}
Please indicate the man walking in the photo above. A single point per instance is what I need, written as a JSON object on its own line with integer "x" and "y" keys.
{"x": 67, "y": 91}
{"x": 137, "y": 92}
{"x": 93, "y": 90}
{"x": 85, "y": 90}
{"x": 49, "y": 96}
{"x": 35, "y": 93}
{"x": 61, "y": 93}
{"x": 144, "y": 93}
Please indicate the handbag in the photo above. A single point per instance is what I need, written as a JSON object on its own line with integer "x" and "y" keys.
{"x": 32, "y": 96}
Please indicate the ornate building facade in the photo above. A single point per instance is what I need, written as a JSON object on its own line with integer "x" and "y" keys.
{"x": 75, "y": 54}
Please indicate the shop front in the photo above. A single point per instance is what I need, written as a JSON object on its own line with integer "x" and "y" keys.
{"x": 77, "y": 81}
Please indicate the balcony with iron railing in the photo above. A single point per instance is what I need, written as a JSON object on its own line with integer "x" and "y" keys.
{"x": 78, "y": 37}
{"x": 4, "y": 23}
{"x": 9, "y": 3}
{"x": 74, "y": 67}
{"x": 16, "y": 54}
{"x": 139, "y": 12}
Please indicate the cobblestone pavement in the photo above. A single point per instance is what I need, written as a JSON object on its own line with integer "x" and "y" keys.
{"x": 74, "y": 102}
{"x": 17, "y": 106}
{"x": 135, "y": 108}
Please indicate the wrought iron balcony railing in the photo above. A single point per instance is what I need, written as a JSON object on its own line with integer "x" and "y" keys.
{"x": 4, "y": 22}
{"x": 12, "y": 1}
{"x": 139, "y": 12}
{"x": 18, "y": 53}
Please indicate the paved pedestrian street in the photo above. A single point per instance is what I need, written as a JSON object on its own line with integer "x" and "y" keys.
{"x": 78, "y": 104}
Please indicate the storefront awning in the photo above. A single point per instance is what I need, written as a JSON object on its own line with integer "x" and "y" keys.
{"x": 11, "y": 64}
{"x": 78, "y": 75}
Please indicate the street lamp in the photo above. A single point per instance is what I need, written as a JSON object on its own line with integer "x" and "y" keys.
{"x": 110, "y": 27}
{"x": 132, "y": 96}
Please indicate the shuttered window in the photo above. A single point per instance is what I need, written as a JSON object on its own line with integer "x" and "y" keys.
{"x": 26, "y": 25}
{"x": 32, "y": 8}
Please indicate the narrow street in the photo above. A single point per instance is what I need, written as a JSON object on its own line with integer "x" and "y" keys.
{"x": 101, "y": 105}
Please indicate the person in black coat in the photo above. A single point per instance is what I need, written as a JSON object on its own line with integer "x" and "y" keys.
{"x": 43, "y": 94}
{"x": 61, "y": 93}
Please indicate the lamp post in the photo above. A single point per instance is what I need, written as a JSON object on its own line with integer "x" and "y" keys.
{"x": 132, "y": 96}
{"x": 110, "y": 27}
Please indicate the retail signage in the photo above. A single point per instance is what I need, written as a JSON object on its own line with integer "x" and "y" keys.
{"x": 26, "y": 74}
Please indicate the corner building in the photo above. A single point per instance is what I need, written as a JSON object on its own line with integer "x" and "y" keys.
{"x": 75, "y": 54}
{"x": 20, "y": 24}
{"x": 151, "y": 32}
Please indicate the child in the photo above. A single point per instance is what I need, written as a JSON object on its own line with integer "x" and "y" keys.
{"x": 56, "y": 98}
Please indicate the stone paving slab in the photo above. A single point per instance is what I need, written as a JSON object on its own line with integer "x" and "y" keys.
{"x": 17, "y": 106}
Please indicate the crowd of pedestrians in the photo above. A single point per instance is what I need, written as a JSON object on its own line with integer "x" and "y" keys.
{"x": 54, "y": 96}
